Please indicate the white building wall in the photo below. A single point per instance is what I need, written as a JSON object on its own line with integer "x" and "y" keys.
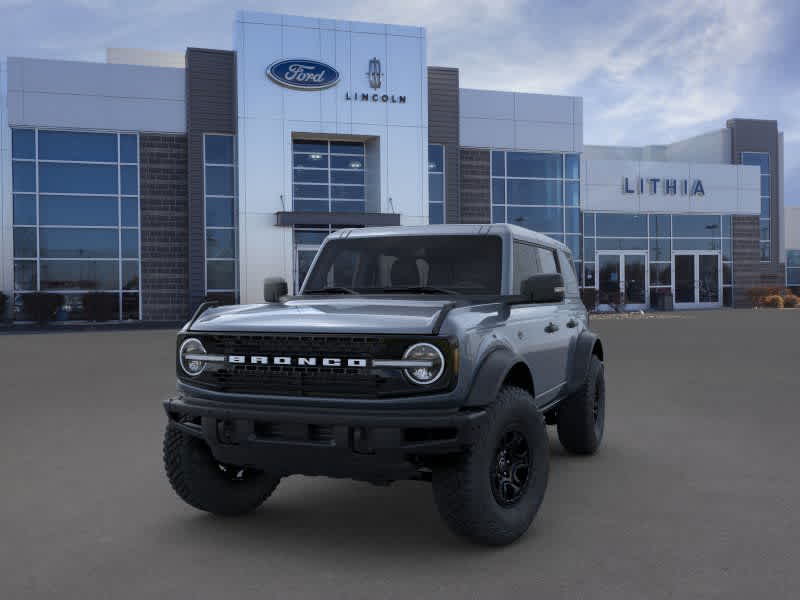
{"x": 146, "y": 58}
{"x": 490, "y": 119}
{"x": 82, "y": 95}
{"x": 713, "y": 147}
{"x": 791, "y": 228}
{"x": 269, "y": 115}
{"x": 6, "y": 205}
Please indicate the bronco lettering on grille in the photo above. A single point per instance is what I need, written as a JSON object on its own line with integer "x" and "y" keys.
{"x": 301, "y": 361}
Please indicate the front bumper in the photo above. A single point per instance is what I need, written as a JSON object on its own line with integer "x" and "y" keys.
{"x": 374, "y": 445}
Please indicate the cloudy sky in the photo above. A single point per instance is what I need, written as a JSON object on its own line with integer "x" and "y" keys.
{"x": 649, "y": 72}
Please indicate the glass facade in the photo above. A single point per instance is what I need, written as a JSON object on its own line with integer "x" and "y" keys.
{"x": 221, "y": 223}
{"x": 435, "y": 184}
{"x": 793, "y": 268}
{"x": 76, "y": 219}
{"x": 761, "y": 160}
{"x": 328, "y": 176}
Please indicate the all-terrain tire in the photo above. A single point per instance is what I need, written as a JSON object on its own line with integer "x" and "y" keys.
{"x": 203, "y": 483}
{"x": 581, "y": 417}
{"x": 465, "y": 487}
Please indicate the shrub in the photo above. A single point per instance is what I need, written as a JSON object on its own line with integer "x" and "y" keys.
{"x": 41, "y": 306}
{"x": 98, "y": 306}
{"x": 773, "y": 301}
{"x": 790, "y": 301}
{"x": 3, "y": 306}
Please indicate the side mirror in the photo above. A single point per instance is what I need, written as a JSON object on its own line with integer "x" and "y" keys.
{"x": 544, "y": 287}
{"x": 274, "y": 288}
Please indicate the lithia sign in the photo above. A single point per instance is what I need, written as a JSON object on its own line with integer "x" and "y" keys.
{"x": 667, "y": 186}
{"x": 306, "y": 74}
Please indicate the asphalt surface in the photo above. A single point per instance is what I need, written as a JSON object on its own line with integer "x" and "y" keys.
{"x": 694, "y": 494}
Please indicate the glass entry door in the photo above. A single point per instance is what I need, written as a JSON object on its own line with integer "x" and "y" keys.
{"x": 621, "y": 280}
{"x": 697, "y": 279}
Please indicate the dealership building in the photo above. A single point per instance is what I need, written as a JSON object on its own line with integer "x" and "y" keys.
{"x": 165, "y": 179}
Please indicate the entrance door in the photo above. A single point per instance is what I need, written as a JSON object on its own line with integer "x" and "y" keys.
{"x": 622, "y": 280}
{"x": 697, "y": 279}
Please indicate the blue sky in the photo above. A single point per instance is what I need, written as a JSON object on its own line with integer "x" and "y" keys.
{"x": 649, "y": 72}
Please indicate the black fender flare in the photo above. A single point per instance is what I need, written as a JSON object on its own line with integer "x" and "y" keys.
{"x": 490, "y": 375}
{"x": 587, "y": 345}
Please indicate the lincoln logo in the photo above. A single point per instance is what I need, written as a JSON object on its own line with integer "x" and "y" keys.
{"x": 374, "y": 74}
{"x": 295, "y": 361}
{"x": 301, "y": 74}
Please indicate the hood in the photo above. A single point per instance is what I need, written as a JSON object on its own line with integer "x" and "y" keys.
{"x": 326, "y": 315}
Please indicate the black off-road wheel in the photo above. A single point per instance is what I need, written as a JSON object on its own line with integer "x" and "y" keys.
{"x": 202, "y": 482}
{"x": 491, "y": 493}
{"x": 581, "y": 417}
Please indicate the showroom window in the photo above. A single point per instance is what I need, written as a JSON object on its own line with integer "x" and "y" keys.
{"x": 540, "y": 191}
{"x": 328, "y": 176}
{"x": 76, "y": 221}
{"x": 761, "y": 160}
{"x": 221, "y": 228}
{"x": 793, "y": 268}
{"x": 435, "y": 184}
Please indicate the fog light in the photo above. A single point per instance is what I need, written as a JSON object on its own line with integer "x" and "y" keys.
{"x": 424, "y": 353}
{"x": 191, "y": 356}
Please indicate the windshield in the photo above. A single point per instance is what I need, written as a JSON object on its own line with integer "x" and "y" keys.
{"x": 444, "y": 264}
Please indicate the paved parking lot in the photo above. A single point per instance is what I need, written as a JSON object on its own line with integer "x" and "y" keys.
{"x": 695, "y": 493}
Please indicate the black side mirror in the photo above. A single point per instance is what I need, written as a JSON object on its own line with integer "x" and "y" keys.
{"x": 274, "y": 288}
{"x": 543, "y": 287}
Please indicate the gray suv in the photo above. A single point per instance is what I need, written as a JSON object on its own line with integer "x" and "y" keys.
{"x": 434, "y": 353}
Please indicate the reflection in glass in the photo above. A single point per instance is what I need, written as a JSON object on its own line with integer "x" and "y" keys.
{"x": 220, "y": 243}
{"x": 56, "y": 242}
{"x": 66, "y": 178}
{"x": 77, "y": 146}
{"x": 221, "y": 274}
{"x": 80, "y": 275}
{"x": 531, "y": 164}
{"x": 77, "y": 210}
{"x": 25, "y": 242}
{"x": 219, "y": 149}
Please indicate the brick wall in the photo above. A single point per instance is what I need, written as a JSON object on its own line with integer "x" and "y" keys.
{"x": 748, "y": 271}
{"x": 475, "y": 198}
{"x": 165, "y": 230}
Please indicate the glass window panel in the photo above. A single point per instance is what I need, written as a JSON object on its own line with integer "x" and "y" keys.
{"x": 588, "y": 224}
{"x": 498, "y": 191}
{"x": 220, "y": 181}
{"x": 765, "y": 185}
{"x": 358, "y": 177}
{"x": 543, "y": 219}
{"x": 219, "y": 149}
{"x": 588, "y": 249}
{"x": 311, "y": 205}
{"x": 315, "y": 160}
{"x": 342, "y": 162}
{"x": 129, "y": 183}
{"x": 25, "y": 242}
{"x": 77, "y": 145}
{"x": 77, "y": 179}
{"x": 547, "y": 260}
{"x": 793, "y": 258}
{"x": 759, "y": 159}
{"x": 79, "y": 275}
{"x": 727, "y": 273}
{"x": 219, "y": 212}
{"x": 624, "y": 225}
{"x": 348, "y": 206}
{"x": 23, "y": 176}
{"x": 526, "y": 191}
{"x": 347, "y": 148}
{"x": 130, "y": 243}
{"x": 766, "y": 251}
{"x": 526, "y": 264}
{"x": 77, "y": 210}
{"x": 435, "y": 158}
{"x": 763, "y": 229}
{"x": 130, "y": 307}
{"x": 660, "y": 274}
{"x": 498, "y": 163}
{"x": 312, "y": 175}
{"x": 130, "y": 274}
{"x": 696, "y": 225}
{"x": 23, "y": 143}
{"x": 660, "y": 226}
{"x": 765, "y": 208}
{"x": 572, "y": 220}
{"x": 310, "y": 191}
{"x": 314, "y": 238}
{"x": 24, "y": 209}
{"x": 660, "y": 249}
{"x": 436, "y": 187}
{"x": 436, "y": 213}
{"x": 574, "y": 243}
{"x": 347, "y": 192}
{"x": 25, "y": 275}
{"x": 621, "y": 243}
{"x": 695, "y": 244}
{"x": 56, "y": 242}
{"x": 220, "y": 243}
{"x": 588, "y": 274}
{"x": 572, "y": 190}
{"x": 793, "y": 277}
{"x": 727, "y": 225}
{"x": 573, "y": 166}
{"x": 130, "y": 212}
{"x": 532, "y": 164}
{"x": 498, "y": 214}
{"x": 727, "y": 297}
{"x": 128, "y": 148}
{"x": 310, "y": 146}
{"x": 221, "y": 275}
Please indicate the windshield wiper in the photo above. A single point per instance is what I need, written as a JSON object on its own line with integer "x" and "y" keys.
{"x": 422, "y": 289}
{"x": 332, "y": 290}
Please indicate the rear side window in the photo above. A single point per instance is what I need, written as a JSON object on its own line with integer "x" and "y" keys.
{"x": 547, "y": 260}
{"x": 526, "y": 263}
{"x": 570, "y": 279}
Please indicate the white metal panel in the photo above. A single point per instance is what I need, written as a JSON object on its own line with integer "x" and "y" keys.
{"x": 364, "y": 47}
{"x": 259, "y": 96}
{"x": 543, "y": 107}
{"x": 261, "y": 18}
{"x": 486, "y": 133}
{"x": 301, "y": 105}
{"x": 486, "y": 104}
{"x": 405, "y": 78}
{"x": 6, "y": 204}
{"x": 546, "y": 136}
{"x": 408, "y": 193}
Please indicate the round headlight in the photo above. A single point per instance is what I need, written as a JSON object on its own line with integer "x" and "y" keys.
{"x": 425, "y": 353}
{"x": 191, "y": 355}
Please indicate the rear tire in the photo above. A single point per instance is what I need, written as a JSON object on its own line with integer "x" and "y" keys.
{"x": 202, "y": 482}
{"x": 581, "y": 417}
{"x": 491, "y": 493}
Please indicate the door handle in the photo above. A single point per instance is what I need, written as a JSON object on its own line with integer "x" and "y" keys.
{"x": 572, "y": 323}
{"x": 551, "y": 327}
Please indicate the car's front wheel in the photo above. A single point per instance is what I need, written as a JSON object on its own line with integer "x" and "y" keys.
{"x": 206, "y": 484}
{"x": 491, "y": 493}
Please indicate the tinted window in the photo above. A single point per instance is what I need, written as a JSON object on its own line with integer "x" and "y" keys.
{"x": 24, "y": 209}
{"x": 129, "y": 185}
{"x": 24, "y": 275}
{"x": 588, "y": 224}
{"x": 221, "y": 274}
{"x": 23, "y": 143}
{"x": 573, "y": 166}
{"x": 435, "y": 158}
{"x": 128, "y": 150}
{"x": 622, "y": 225}
{"x": 526, "y": 264}
{"x": 570, "y": 278}
{"x": 660, "y": 226}
{"x": 219, "y": 149}
{"x": 531, "y": 191}
{"x": 543, "y": 219}
{"x": 72, "y": 145}
{"x": 547, "y": 260}
{"x": 77, "y": 210}
{"x": 572, "y": 220}
{"x": 80, "y": 275}
{"x": 25, "y": 242}
{"x": 130, "y": 243}
{"x": 498, "y": 163}
{"x": 77, "y": 179}
{"x": 219, "y": 181}
{"x": 130, "y": 275}
{"x": 696, "y": 225}
{"x": 23, "y": 176}
{"x": 498, "y": 191}
{"x": 347, "y": 148}
{"x": 219, "y": 212}
{"x": 530, "y": 164}
{"x": 78, "y": 243}
{"x": 572, "y": 190}
{"x": 130, "y": 212}
{"x": 220, "y": 243}
{"x": 660, "y": 249}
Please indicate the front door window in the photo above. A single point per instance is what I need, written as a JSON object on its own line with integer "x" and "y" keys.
{"x": 622, "y": 280}
{"x": 684, "y": 278}
{"x": 697, "y": 279}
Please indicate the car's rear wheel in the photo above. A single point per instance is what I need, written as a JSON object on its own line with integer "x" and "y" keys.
{"x": 206, "y": 484}
{"x": 491, "y": 493}
{"x": 581, "y": 417}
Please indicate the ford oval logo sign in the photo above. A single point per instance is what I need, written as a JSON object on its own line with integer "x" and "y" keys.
{"x": 303, "y": 74}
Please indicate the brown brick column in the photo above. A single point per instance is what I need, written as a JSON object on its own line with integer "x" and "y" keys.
{"x": 475, "y": 184}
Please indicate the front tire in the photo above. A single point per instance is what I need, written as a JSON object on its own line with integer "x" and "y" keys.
{"x": 202, "y": 482}
{"x": 492, "y": 493}
{"x": 581, "y": 417}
